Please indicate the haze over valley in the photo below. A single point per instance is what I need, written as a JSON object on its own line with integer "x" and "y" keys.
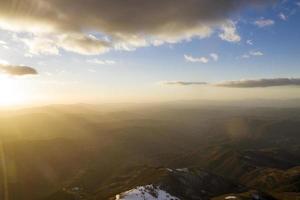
{"x": 189, "y": 151}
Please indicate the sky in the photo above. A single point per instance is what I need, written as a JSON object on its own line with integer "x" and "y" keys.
{"x": 95, "y": 51}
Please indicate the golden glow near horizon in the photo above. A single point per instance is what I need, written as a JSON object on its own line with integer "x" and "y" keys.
{"x": 11, "y": 92}
{"x": 55, "y": 51}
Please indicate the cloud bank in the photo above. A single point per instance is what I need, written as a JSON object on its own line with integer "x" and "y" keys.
{"x": 261, "y": 83}
{"x": 257, "y": 83}
{"x": 118, "y": 24}
{"x": 17, "y": 70}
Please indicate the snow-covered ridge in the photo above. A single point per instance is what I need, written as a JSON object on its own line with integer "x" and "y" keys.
{"x": 148, "y": 192}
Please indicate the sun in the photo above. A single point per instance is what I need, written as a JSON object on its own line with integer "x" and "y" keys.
{"x": 11, "y": 92}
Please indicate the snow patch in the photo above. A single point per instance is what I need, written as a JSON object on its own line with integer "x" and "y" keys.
{"x": 148, "y": 192}
{"x": 183, "y": 170}
{"x": 230, "y": 197}
{"x": 169, "y": 170}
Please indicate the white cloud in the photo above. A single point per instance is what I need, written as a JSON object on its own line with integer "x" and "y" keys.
{"x": 229, "y": 33}
{"x": 102, "y": 62}
{"x": 196, "y": 59}
{"x": 214, "y": 56}
{"x": 264, "y": 22}
{"x": 203, "y": 59}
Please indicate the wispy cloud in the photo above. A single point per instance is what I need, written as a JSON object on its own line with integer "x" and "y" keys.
{"x": 214, "y": 56}
{"x": 283, "y": 16}
{"x": 189, "y": 58}
{"x": 202, "y": 59}
{"x": 182, "y": 83}
{"x": 3, "y": 62}
{"x": 250, "y": 42}
{"x": 264, "y": 22}
{"x": 81, "y": 44}
{"x": 260, "y": 83}
{"x": 252, "y": 54}
{"x": 256, "y": 53}
{"x": 3, "y": 44}
{"x": 40, "y": 45}
{"x": 245, "y": 56}
{"x": 102, "y": 62}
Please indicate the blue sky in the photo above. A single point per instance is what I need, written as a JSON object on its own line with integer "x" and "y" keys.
{"x": 263, "y": 44}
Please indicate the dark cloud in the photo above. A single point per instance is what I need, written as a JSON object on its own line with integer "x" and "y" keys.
{"x": 182, "y": 83}
{"x": 261, "y": 83}
{"x": 133, "y": 16}
{"x": 17, "y": 70}
{"x": 127, "y": 23}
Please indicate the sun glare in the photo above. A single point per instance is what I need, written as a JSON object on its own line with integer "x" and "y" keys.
{"x": 10, "y": 92}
